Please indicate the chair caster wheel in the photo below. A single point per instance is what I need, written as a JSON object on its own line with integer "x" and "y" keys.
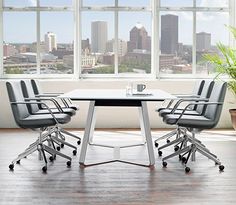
{"x": 62, "y": 145}
{"x": 11, "y": 166}
{"x": 18, "y": 162}
{"x": 164, "y": 164}
{"x": 68, "y": 163}
{"x": 156, "y": 144}
{"x": 187, "y": 169}
{"x": 44, "y": 169}
{"x": 160, "y": 153}
{"x": 58, "y": 148}
{"x": 176, "y": 148}
{"x": 221, "y": 167}
{"x": 51, "y": 158}
{"x": 74, "y": 152}
{"x": 78, "y": 142}
{"x": 168, "y": 141}
{"x": 183, "y": 159}
{"x": 180, "y": 157}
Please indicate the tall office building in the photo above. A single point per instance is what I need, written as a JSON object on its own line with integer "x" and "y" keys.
{"x": 169, "y": 34}
{"x": 98, "y": 36}
{"x": 203, "y": 40}
{"x": 122, "y": 47}
{"x": 139, "y": 39}
{"x": 50, "y": 41}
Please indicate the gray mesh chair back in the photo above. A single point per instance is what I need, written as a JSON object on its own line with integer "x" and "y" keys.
{"x": 213, "y": 112}
{"x": 36, "y": 87}
{"x": 28, "y": 92}
{"x": 206, "y": 93}
{"x": 197, "y": 90}
{"x": 20, "y": 111}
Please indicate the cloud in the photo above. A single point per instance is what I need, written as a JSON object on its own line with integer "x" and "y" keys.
{"x": 32, "y": 2}
{"x": 213, "y": 3}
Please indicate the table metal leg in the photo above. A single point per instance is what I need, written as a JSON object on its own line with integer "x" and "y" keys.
{"x": 93, "y": 123}
{"x": 147, "y": 131}
{"x": 141, "y": 124}
{"x": 87, "y": 132}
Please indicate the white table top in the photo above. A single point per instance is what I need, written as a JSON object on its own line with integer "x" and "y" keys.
{"x": 116, "y": 94}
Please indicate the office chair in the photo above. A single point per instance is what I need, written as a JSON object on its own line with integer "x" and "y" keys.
{"x": 36, "y": 122}
{"x": 59, "y": 138}
{"x": 196, "y": 93}
{"x": 35, "y": 90}
{"x": 39, "y": 93}
{"x": 195, "y": 124}
{"x": 194, "y": 110}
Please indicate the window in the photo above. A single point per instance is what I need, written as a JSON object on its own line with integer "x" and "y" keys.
{"x": 55, "y": 3}
{"x": 176, "y": 30}
{"x": 134, "y": 43}
{"x": 212, "y": 3}
{"x": 56, "y": 50}
{"x": 38, "y": 39}
{"x": 208, "y": 33}
{"x": 112, "y": 38}
{"x": 19, "y": 56}
{"x": 21, "y": 3}
{"x": 176, "y": 3}
{"x": 116, "y": 37}
{"x": 97, "y": 29}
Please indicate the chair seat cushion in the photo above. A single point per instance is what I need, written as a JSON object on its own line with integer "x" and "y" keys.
{"x": 68, "y": 111}
{"x": 178, "y": 111}
{"x": 190, "y": 121}
{"x": 44, "y": 120}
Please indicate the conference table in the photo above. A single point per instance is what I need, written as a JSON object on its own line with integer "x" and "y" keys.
{"x": 117, "y": 98}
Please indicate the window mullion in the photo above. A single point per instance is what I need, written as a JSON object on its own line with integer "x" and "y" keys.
{"x": 116, "y": 24}
{"x": 38, "y": 37}
{"x": 155, "y": 38}
{"x": 1, "y": 38}
{"x": 194, "y": 58}
{"x": 78, "y": 40}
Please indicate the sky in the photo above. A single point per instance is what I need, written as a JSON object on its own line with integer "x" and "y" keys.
{"x": 61, "y": 23}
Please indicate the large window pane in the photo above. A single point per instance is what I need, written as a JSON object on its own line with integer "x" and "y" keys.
{"x": 177, "y": 3}
{"x": 97, "y": 32}
{"x": 55, "y": 3}
{"x": 56, "y": 47}
{"x": 208, "y": 34}
{"x": 176, "y": 42}
{"x": 212, "y": 3}
{"x": 134, "y": 44}
{"x": 19, "y": 41}
{"x": 98, "y": 3}
{"x": 134, "y": 3}
{"x": 20, "y": 3}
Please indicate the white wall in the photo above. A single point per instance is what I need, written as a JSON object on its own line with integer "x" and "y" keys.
{"x": 112, "y": 117}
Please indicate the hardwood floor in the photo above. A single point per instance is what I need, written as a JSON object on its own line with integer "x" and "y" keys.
{"x": 117, "y": 183}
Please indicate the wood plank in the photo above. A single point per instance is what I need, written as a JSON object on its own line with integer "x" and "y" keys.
{"x": 117, "y": 183}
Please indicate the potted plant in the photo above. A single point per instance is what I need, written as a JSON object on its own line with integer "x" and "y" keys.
{"x": 225, "y": 65}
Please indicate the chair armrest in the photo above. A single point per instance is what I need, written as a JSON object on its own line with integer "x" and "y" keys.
{"x": 48, "y": 99}
{"x": 50, "y": 111}
{"x": 48, "y": 95}
{"x": 188, "y": 100}
{"x": 181, "y": 96}
{"x": 201, "y": 103}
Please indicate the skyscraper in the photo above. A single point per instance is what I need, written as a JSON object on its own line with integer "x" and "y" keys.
{"x": 122, "y": 47}
{"x": 98, "y": 36}
{"x": 139, "y": 39}
{"x": 50, "y": 41}
{"x": 169, "y": 34}
{"x": 203, "y": 40}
